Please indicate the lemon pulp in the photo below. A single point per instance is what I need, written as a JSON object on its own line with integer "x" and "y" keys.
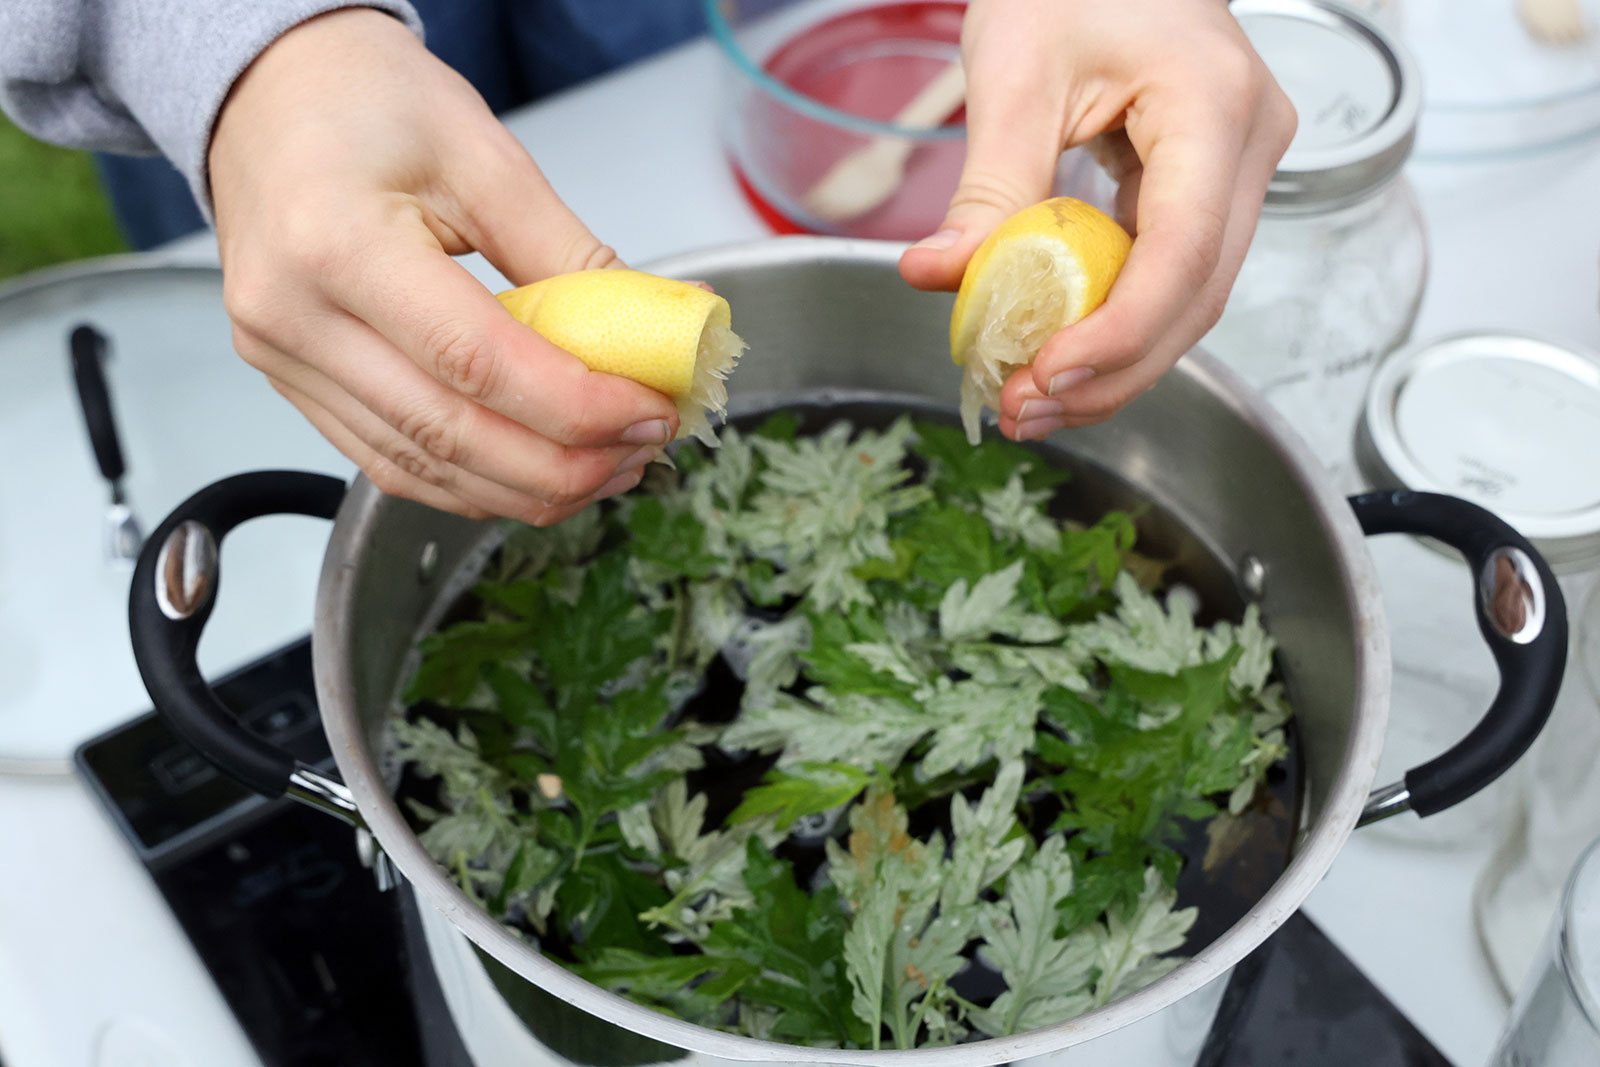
{"x": 1041, "y": 270}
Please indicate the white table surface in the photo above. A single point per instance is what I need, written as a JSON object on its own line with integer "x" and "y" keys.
{"x": 93, "y": 969}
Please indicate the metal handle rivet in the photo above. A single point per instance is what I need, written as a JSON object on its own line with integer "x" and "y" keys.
{"x": 428, "y": 562}
{"x": 1252, "y": 575}
{"x": 1512, "y": 595}
{"x": 186, "y": 570}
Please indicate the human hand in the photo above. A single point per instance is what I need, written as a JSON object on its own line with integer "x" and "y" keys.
{"x": 347, "y": 166}
{"x": 1190, "y": 124}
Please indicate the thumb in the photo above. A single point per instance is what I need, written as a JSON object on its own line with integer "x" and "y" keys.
{"x": 512, "y": 215}
{"x": 1013, "y": 146}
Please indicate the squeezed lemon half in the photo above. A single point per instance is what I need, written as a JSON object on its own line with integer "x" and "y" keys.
{"x": 1041, "y": 270}
{"x": 672, "y": 336}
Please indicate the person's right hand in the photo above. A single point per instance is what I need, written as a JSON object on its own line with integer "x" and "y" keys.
{"x": 347, "y": 166}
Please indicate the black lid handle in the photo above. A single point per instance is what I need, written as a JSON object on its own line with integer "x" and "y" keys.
{"x": 88, "y": 347}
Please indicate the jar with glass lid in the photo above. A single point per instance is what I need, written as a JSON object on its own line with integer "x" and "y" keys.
{"x": 1335, "y": 273}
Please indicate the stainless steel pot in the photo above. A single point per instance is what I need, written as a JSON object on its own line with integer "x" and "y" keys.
{"x": 830, "y": 320}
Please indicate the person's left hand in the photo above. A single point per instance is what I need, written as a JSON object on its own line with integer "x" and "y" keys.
{"x": 1193, "y": 126}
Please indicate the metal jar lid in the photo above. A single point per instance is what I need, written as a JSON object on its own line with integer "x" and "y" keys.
{"x": 1358, "y": 94}
{"x": 1506, "y": 420}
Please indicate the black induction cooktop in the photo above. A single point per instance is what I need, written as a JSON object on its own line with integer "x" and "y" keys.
{"x": 311, "y": 958}
{"x": 323, "y": 969}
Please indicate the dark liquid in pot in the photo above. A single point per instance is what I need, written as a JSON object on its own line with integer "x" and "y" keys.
{"x": 1229, "y": 863}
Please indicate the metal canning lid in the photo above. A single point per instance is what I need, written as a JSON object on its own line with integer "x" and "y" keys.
{"x": 1507, "y": 420}
{"x": 1357, "y": 91}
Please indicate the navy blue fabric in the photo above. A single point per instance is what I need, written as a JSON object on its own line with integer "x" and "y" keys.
{"x": 559, "y": 43}
{"x": 512, "y": 51}
{"x": 149, "y": 198}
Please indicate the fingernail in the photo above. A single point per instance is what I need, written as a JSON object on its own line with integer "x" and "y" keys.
{"x": 649, "y": 432}
{"x": 1069, "y": 378}
{"x": 703, "y": 285}
{"x": 638, "y": 459}
{"x": 940, "y": 241}
{"x": 620, "y": 484}
{"x": 1034, "y": 429}
{"x": 1039, "y": 407}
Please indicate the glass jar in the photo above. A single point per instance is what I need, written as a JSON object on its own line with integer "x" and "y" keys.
{"x": 1557, "y": 813}
{"x": 1512, "y": 423}
{"x": 1320, "y": 298}
{"x": 1556, "y": 1019}
{"x": 1335, "y": 273}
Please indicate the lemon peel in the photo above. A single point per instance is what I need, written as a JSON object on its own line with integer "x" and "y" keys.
{"x": 669, "y": 335}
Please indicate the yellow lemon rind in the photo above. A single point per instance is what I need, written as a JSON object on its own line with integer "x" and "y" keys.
{"x": 666, "y": 334}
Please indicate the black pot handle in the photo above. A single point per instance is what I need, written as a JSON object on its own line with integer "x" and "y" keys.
{"x": 1522, "y": 617}
{"x": 174, "y": 589}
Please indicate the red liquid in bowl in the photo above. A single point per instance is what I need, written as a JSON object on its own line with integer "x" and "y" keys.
{"x": 870, "y": 63}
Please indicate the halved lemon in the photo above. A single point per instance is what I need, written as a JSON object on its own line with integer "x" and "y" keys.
{"x": 672, "y": 336}
{"x": 1041, "y": 270}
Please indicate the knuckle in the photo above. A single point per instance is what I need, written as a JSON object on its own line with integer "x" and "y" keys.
{"x": 569, "y": 426}
{"x": 1209, "y": 305}
{"x": 1236, "y": 79}
{"x": 984, "y": 189}
{"x": 1102, "y": 413}
{"x": 578, "y": 249}
{"x": 591, "y": 254}
{"x": 562, "y": 495}
{"x": 464, "y": 358}
{"x": 578, "y": 424}
{"x": 434, "y": 432}
{"x": 1282, "y": 119}
{"x": 411, "y": 462}
{"x": 1106, "y": 403}
{"x": 256, "y": 353}
{"x": 552, "y": 515}
{"x": 1120, "y": 340}
{"x": 1122, "y": 350}
{"x": 316, "y": 239}
{"x": 389, "y": 479}
{"x": 250, "y": 303}
{"x": 575, "y": 481}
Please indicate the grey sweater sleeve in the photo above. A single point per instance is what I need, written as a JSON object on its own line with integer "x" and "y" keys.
{"x": 141, "y": 76}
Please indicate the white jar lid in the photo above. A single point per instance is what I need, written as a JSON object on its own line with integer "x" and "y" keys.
{"x": 1508, "y": 421}
{"x": 1357, "y": 92}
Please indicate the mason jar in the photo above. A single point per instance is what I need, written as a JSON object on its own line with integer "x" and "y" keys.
{"x": 1335, "y": 273}
{"x": 1511, "y": 422}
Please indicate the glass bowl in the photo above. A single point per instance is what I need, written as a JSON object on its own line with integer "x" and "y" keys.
{"x": 810, "y": 82}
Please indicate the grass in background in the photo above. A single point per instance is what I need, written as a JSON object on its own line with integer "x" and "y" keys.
{"x": 54, "y": 208}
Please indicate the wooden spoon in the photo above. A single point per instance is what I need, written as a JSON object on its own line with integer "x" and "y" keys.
{"x": 1558, "y": 22}
{"x": 865, "y": 178}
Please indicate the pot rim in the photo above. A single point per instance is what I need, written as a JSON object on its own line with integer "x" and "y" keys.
{"x": 1319, "y": 845}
